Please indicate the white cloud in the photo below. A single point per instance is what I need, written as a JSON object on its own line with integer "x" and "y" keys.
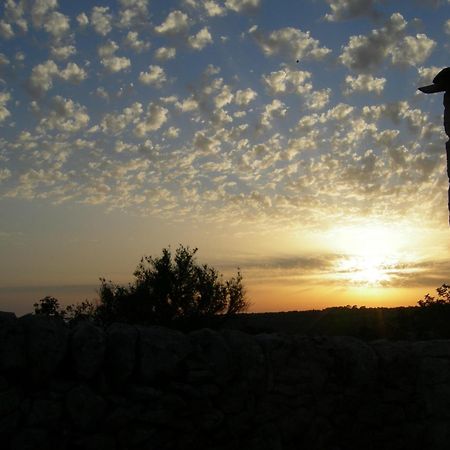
{"x": 65, "y": 115}
{"x": 172, "y": 133}
{"x": 165, "y": 53}
{"x": 188, "y": 104}
{"x": 349, "y": 9}
{"x": 213, "y": 9}
{"x": 290, "y": 42}
{"x": 73, "y": 73}
{"x": 63, "y": 52}
{"x": 288, "y": 81}
{"x": 201, "y": 39}
{"x": 132, "y": 12}
{"x": 41, "y": 79}
{"x": 176, "y": 22}
{"x": 82, "y": 20}
{"x": 39, "y": 10}
{"x": 318, "y": 99}
{"x": 4, "y": 112}
{"x": 6, "y": 31}
{"x": 132, "y": 41}
{"x": 5, "y": 173}
{"x": 243, "y": 97}
{"x": 154, "y": 119}
{"x": 242, "y": 5}
{"x": 447, "y": 26}
{"x": 116, "y": 123}
{"x": 274, "y": 109}
{"x": 101, "y": 20}
{"x": 56, "y": 24}
{"x": 368, "y": 52}
{"x": 109, "y": 60}
{"x": 364, "y": 83}
{"x": 154, "y": 77}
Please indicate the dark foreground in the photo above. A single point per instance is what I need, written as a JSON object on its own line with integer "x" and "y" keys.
{"x": 147, "y": 388}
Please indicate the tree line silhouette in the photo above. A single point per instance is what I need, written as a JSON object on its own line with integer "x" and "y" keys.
{"x": 170, "y": 290}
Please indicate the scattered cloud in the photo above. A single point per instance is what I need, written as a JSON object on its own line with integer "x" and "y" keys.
{"x": 165, "y": 53}
{"x": 364, "y": 53}
{"x": 101, "y": 20}
{"x": 154, "y": 77}
{"x": 200, "y": 40}
{"x": 109, "y": 60}
{"x": 290, "y": 42}
{"x": 177, "y": 22}
{"x": 364, "y": 83}
{"x": 349, "y": 9}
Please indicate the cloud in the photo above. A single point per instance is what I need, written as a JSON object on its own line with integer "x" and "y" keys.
{"x": 108, "y": 59}
{"x": 154, "y": 119}
{"x": 39, "y": 10}
{"x": 4, "y": 99}
{"x": 56, "y": 24}
{"x": 101, "y": 20}
{"x": 6, "y": 31}
{"x": 200, "y": 40}
{"x": 349, "y": 9}
{"x": 82, "y": 20}
{"x": 165, "y": 53}
{"x": 364, "y": 53}
{"x": 63, "y": 52}
{"x": 287, "y": 81}
{"x": 65, "y": 115}
{"x": 274, "y": 109}
{"x": 447, "y": 27}
{"x": 41, "y": 79}
{"x": 114, "y": 124}
{"x": 291, "y": 43}
{"x": 73, "y": 73}
{"x": 177, "y": 22}
{"x": 243, "y": 97}
{"x": 317, "y": 100}
{"x": 154, "y": 77}
{"x": 133, "y": 13}
{"x": 132, "y": 41}
{"x": 242, "y": 5}
{"x": 364, "y": 83}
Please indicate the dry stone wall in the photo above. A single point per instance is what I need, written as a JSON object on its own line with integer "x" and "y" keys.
{"x": 133, "y": 387}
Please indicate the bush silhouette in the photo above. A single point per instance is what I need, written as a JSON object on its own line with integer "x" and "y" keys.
{"x": 167, "y": 289}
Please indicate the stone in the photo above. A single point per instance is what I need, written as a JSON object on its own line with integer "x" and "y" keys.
{"x": 86, "y": 408}
{"x": 45, "y": 412}
{"x": 212, "y": 351}
{"x": 162, "y": 353}
{"x": 12, "y": 343}
{"x": 249, "y": 356}
{"x": 87, "y": 349}
{"x": 46, "y": 345}
{"x": 121, "y": 341}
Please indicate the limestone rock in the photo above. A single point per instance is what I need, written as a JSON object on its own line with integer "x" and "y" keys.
{"x": 212, "y": 351}
{"x": 121, "y": 350}
{"x": 86, "y": 409}
{"x": 161, "y": 352}
{"x": 87, "y": 349}
{"x": 46, "y": 345}
{"x": 12, "y": 343}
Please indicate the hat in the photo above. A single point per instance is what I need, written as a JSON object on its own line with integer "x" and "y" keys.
{"x": 441, "y": 82}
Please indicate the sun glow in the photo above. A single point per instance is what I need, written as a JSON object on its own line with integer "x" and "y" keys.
{"x": 370, "y": 253}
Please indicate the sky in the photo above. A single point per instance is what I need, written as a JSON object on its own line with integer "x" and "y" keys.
{"x": 285, "y": 137}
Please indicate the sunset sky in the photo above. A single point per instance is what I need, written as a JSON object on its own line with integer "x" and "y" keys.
{"x": 284, "y": 137}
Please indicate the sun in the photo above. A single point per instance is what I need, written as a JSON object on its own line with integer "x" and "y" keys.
{"x": 368, "y": 252}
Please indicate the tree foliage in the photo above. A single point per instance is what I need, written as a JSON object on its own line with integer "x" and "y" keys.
{"x": 443, "y": 297}
{"x": 167, "y": 289}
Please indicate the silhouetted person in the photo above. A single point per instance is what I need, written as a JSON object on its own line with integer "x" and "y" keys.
{"x": 441, "y": 83}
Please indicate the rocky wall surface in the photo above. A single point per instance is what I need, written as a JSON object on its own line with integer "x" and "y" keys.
{"x": 133, "y": 387}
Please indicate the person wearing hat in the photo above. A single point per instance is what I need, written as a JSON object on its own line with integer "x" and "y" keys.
{"x": 441, "y": 83}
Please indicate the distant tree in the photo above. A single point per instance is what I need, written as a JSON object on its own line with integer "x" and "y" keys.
{"x": 48, "y": 306}
{"x": 170, "y": 288}
{"x": 167, "y": 289}
{"x": 442, "y": 299}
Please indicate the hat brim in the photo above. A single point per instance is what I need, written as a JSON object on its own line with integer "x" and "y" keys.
{"x": 432, "y": 88}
